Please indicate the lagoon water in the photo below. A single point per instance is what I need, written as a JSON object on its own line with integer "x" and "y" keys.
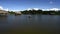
{"x": 37, "y": 24}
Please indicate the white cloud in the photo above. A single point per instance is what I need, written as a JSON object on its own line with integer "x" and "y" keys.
{"x": 36, "y": 8}
{"x": 45, "y": 9}
{"x": 55, "y": 9}
{"x": 29, "y": 9}
{"x": 1, "y": 7}
{"x": 6, "y": 9}
{"x": 14, "y": 10}
{"x": 32, "y": 8}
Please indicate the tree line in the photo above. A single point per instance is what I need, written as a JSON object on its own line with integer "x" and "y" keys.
{"x": 51, "y": 12}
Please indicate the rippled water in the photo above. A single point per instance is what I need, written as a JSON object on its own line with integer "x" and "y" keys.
{"x": 37, "y": 24}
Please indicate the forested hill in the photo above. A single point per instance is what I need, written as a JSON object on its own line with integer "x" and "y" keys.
{"x": 51, "y": 12}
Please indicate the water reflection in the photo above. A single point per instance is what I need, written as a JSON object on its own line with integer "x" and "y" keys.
{"x": 44, "y": 24}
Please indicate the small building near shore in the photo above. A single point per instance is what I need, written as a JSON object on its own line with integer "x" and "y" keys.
{"x": 18, "y": 13}
{"x": 3, "y": 12}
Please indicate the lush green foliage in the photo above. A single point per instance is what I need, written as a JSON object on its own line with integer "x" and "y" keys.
{"x": 38, "y": 12}
{"x": 41, "y": 12}
{"x": 11, "y": 12}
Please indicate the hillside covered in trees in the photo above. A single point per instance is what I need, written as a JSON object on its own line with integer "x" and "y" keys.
{"x": 51, "y": 12}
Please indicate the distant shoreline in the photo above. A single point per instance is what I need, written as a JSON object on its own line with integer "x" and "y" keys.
{"x": 38, "y": 12}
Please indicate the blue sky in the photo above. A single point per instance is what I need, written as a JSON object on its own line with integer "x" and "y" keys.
{"x": 25, "y": 4}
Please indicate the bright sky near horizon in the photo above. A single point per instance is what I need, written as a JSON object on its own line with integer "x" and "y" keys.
{"x": 25, "y": 4}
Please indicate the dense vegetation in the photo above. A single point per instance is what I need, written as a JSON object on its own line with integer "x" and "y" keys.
{"x": 41, "y": 12}
{"x": 38, "y": 12}
{"x": 11, "y": 12}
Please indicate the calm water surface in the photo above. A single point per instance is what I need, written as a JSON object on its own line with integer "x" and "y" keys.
{"x": 37, "y": 24}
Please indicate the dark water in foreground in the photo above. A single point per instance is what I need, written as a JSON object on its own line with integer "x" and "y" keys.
{"x": 37, "y": 24}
